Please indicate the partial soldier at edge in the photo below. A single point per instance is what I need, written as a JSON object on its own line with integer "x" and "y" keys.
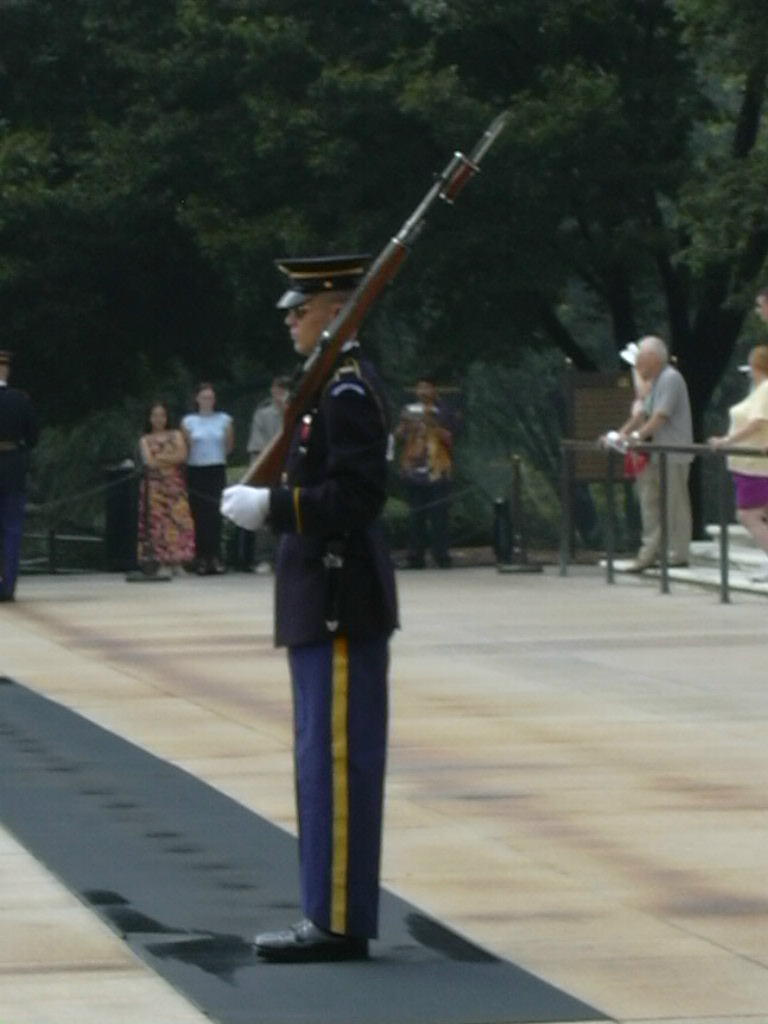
{"x": 18, "y": 435}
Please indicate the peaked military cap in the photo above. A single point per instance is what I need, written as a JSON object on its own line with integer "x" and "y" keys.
{"x": 313, "y": 274}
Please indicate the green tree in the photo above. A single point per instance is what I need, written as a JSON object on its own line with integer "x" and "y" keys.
{"x": 154, "y": 160}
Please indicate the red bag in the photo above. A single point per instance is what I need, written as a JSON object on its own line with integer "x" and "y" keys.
{"x": 635, "y": 463}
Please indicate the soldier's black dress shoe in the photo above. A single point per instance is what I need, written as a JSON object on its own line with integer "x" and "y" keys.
{"x": 306, "y": 943}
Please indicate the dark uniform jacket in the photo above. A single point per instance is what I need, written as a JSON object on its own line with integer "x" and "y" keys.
{"x": 18, "y": 433}
{"x": 336, "y": 476}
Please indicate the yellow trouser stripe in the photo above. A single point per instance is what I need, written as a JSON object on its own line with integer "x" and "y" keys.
{"x": 339, "y": 747}
{"x": 297, "y": 508}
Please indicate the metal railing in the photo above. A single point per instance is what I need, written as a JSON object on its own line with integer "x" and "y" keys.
{"x": 50, "y": 541}
{"x": 615, "y": 460}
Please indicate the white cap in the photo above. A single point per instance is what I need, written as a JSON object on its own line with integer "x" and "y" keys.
{"x": 629, "y": 352}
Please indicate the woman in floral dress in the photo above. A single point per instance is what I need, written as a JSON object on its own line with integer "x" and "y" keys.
{"x": 166, "y": 533}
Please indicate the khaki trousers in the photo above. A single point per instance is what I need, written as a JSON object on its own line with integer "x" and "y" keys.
{"x": 678, "y": 512}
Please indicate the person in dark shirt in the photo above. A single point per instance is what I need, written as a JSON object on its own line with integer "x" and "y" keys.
{"x": 335, "y": 609}
{"x": 18, "y": 434}
{"x": 257, "y": 550}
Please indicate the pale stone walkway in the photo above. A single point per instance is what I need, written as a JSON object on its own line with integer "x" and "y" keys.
{"x": 578, "y": 776}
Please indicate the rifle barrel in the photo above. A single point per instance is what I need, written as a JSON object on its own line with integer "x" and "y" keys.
{"x": 489, "y": 136}
{"x": 458, "y": 171}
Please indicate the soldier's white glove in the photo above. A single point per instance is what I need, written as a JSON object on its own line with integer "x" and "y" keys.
{"x": 247, "y": 507}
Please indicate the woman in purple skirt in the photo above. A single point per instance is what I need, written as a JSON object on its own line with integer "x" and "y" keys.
{"x": 749, "y": 428}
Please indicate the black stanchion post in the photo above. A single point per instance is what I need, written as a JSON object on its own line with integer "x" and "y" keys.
{"x": 519, "y": 554}
{"x": 120, "y": 514}
{"x": 502, "y": 531}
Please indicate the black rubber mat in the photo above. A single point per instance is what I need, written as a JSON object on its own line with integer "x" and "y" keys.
{"x": 186, "y": 875}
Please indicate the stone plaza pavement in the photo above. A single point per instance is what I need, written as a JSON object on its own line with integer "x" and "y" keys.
{"x": 578, "y": 777}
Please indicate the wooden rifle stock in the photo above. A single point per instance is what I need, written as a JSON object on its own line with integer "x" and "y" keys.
{"x": 267, "y": 469}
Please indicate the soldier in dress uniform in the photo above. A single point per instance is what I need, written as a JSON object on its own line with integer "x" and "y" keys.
{"x": 18, "y": 433}
{"x": 335, "y": 609}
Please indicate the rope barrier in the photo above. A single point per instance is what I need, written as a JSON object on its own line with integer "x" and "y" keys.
{"x": 45, "y": 506}
{"x": 35, "y": 507}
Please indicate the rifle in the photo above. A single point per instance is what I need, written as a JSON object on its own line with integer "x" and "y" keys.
{"x": 267, "y": 469}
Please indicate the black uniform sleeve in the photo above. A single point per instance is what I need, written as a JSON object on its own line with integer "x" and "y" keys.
{"x": 353, "y": 491}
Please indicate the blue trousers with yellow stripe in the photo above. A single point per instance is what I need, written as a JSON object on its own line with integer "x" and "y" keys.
{"x": 340, "y": 727}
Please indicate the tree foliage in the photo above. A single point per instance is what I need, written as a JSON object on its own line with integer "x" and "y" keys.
{"x": 155, "y": 158}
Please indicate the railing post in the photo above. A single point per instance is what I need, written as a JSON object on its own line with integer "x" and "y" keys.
{"x": 52, "y": 553}
{"x": 610, "y": 525}
{"x": 664, "y": 513}
{"x": 724, "y": 492}
{"x": 565, "y": 507}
